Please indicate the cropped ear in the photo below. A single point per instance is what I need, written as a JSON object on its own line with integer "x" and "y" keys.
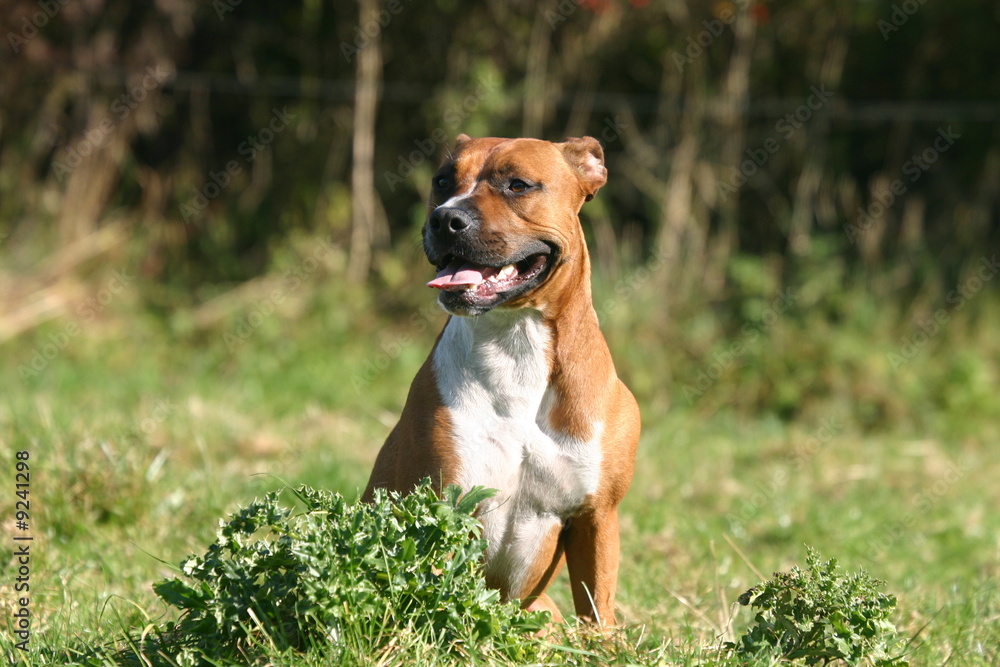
{"x": 586, "y": 157}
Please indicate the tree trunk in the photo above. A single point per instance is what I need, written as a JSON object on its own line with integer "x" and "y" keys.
{"x": 367, "y": 222}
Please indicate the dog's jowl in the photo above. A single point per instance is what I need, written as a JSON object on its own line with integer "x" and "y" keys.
{"x": 520, "y": 393}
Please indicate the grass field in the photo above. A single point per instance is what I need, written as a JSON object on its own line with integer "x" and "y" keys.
{"x": 142, "y": 430}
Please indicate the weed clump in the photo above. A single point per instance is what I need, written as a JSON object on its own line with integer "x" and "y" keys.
{"x": 345, "y": 578}
{"x": 816, "y": 615}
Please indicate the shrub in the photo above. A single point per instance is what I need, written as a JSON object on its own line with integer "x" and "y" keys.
{"x": 816, "y": 615}
{"x": 347, "y": 578}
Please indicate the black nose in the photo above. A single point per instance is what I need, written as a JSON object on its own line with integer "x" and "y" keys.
{"x": 450, "y": 222}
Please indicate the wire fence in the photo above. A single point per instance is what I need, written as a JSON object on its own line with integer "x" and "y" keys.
{"x": 397, "y": 92}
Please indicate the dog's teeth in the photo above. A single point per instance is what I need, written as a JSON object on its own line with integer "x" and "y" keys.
{"x": 471, "y": 288}
{"x": 507, "y": 271}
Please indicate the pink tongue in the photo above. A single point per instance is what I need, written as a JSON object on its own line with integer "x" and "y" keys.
{"x": 460, "y": 274}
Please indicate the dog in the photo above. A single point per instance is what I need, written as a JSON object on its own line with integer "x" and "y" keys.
{"x": 520, "y": 393}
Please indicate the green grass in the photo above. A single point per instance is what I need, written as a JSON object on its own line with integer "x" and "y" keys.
{"x": 143, "y": 432}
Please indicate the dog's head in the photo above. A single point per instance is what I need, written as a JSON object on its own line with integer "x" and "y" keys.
{"x": 502, "y": 228}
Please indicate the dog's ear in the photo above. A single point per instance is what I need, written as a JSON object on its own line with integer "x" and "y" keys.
{"x": 586, "y": 157}
{"x": 461, "y": 139}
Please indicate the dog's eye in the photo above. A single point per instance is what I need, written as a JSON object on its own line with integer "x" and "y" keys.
{"x": 518, "y": 186}
{"x": 441, "y": 182}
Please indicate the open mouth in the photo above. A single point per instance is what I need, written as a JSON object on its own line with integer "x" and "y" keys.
{"x": 478, "y": 287}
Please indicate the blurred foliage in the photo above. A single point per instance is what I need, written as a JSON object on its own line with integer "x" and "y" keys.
{"x": 645, "y": 77}
{"x": 803, "y": 196}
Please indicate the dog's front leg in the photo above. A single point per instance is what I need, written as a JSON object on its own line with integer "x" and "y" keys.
{"x": 592, "y": 553}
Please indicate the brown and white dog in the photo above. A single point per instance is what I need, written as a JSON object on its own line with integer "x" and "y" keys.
{"x": 520, "y": 393}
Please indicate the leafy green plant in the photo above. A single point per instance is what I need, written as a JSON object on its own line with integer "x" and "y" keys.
{"x": 817, "y": 615}
{"x": 347, "y": 578}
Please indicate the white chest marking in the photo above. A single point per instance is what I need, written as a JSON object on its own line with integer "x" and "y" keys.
{"x": 493, "y": 375}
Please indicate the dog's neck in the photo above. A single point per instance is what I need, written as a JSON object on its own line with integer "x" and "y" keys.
{"x": 522, "y": 357}
{"x": 507, "y": 352}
